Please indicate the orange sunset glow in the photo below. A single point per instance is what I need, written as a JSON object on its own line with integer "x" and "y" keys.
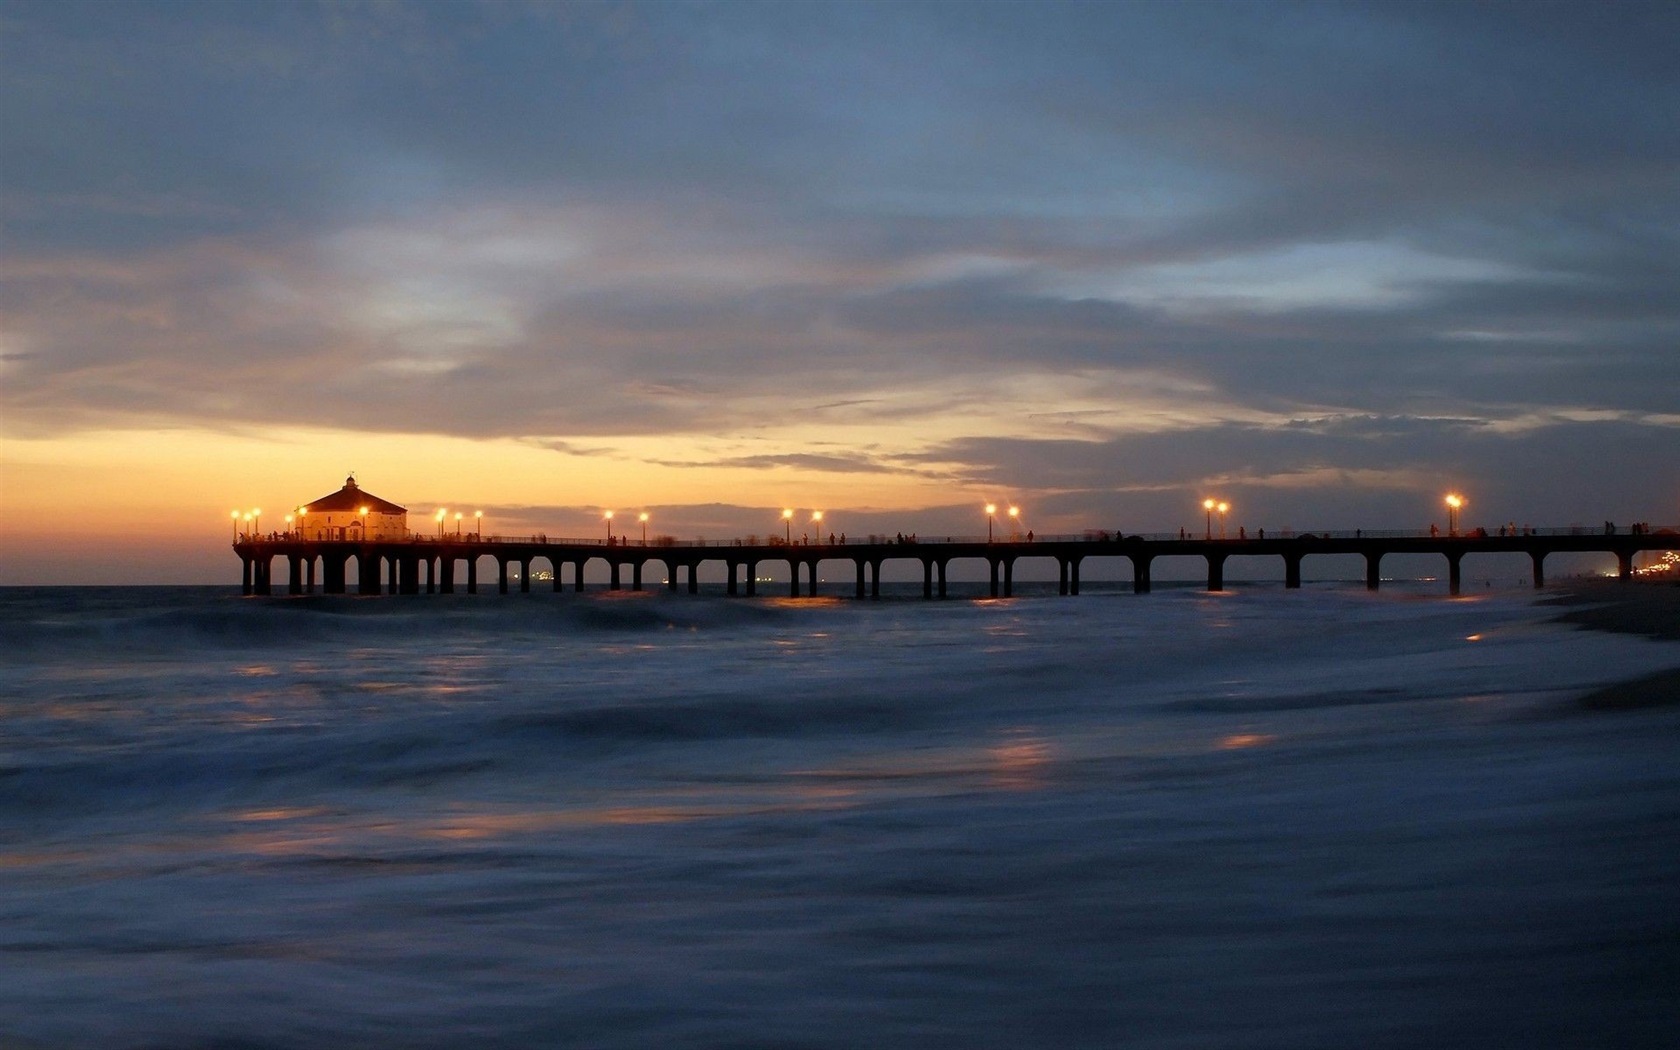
{"x": 71, "y": 501}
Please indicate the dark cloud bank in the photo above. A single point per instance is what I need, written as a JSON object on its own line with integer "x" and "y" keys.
{"x": 1391, "y": 242}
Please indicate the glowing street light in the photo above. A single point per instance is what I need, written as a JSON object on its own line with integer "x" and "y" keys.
{"x": 250, "y": 533}
{"x": 1454, "y": 502}
{"x": 301, "y": 511}
{"x": 1208, "y": 506}
{"x": 816, "y": 519}
{"x": 457, "y": 524}
{"x": 440, "y": 515}
{"x": 787, "y": 525}
{"x": 478, "y": 525}
{"x": 363, "y": 512}
{"x": 643, "y": 519}
{"x": 256, "y": 517}
{"x": 991, "y": 516}
{"x": 236, "y": 526}
{"x": 288, "y": 525}
{"x": 1223, "y": 509}
{"x": 608, "y": 516}
{"x": 1014, "y": 521}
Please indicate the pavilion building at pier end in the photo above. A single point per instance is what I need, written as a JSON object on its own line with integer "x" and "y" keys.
{"x": 352, "y": 514}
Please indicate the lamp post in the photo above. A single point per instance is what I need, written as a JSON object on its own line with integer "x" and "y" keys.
{"x": 478, "y": 525}
{"x": 608, "y": 516}
{"x": 302, "y": 528}
{"x": 362, "y": 512}
{"x": 457, "y": 524}
{"x": 1223, "y": 509}
{"x": 991, "y": 516}
{"x": 250, "y": 534}
{"x": 256, "y": 516}
{"x": 643, "y": 519}
{"x": 1014, "y": 522}
{"x": 1454, "y": 502}
{"x": 787, "y": 526}
{"x": 288, "y": 526}
{"x": 440, "y": 515}
{"x": 816, "y": 520}
{"x": 236, "y": 526}
{"x": 1208, "y": 506}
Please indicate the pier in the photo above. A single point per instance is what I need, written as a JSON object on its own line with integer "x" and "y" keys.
{"x": 417, "y": 565}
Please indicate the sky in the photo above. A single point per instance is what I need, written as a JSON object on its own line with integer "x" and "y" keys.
{"x": 1327, "y": 262}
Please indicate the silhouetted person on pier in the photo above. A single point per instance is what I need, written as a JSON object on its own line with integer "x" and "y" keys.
{"x": 1029, "y": 536}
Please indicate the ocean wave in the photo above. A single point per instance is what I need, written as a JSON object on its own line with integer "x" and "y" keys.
{"x": 1292, "y": 701}
{"x": 185, "y": 618}
{"x": 214, "y": 770}
{"x": 720, "y": 717}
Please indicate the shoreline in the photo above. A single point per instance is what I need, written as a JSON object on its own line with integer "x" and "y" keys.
{"x": 1649, "y": 609}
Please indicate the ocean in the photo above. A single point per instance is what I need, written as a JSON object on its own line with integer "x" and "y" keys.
{"x": 1257, "y": 818}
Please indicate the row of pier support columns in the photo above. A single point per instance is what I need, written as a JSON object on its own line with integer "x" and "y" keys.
{"x": 741, "y": 577}
{"x": 405, "y": 575}
{"x": 408, "y": 574}
{"x": 438, "y": 575}
{"x": 1455, "y": 574}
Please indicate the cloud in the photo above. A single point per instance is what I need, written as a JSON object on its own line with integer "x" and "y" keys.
{"x": 849, "y": 463}
{"x": 1075, "y": 249}
{"x": 1539, "y": 470}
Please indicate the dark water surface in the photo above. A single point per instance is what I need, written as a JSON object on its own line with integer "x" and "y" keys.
{"x": 1255, "y": 819}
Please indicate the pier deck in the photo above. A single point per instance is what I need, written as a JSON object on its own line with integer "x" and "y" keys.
{"x": 428, "y": 565}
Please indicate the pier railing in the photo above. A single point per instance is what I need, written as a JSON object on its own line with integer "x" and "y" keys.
{"x": 1088, "y": 536}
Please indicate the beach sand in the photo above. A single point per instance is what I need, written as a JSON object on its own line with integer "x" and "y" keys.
{"x": 1628, "y": 607}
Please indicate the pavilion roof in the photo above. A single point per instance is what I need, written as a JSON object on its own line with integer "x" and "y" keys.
{"x": 352, "y": 498}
